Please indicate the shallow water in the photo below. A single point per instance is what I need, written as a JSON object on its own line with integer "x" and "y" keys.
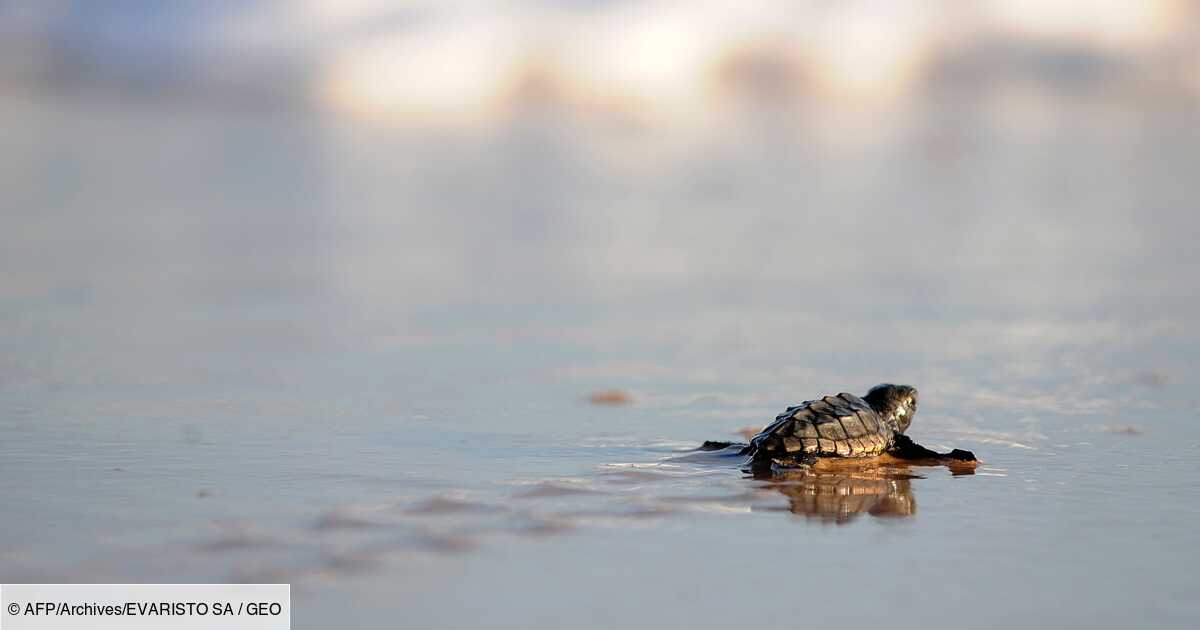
{"x": 272, "y": 348}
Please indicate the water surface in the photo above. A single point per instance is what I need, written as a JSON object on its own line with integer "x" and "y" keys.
{"x": 271, "y": 347}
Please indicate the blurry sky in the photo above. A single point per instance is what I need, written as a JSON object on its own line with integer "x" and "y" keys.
{"x": 661, "y": 62}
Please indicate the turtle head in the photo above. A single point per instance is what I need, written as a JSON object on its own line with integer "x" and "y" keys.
{"x": 896, "y": 404}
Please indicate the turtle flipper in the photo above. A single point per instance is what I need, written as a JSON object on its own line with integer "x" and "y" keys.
{"x": 904, "y": 448}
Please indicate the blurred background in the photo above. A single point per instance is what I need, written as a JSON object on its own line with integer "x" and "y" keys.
{"x": 273, "y": 274}
{"x": 627, "y": 191}
{"x": 718, "y": 184}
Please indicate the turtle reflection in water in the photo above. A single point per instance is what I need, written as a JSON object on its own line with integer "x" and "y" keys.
{"x": 839, "y": 495}
{"x": 841, "y": 427}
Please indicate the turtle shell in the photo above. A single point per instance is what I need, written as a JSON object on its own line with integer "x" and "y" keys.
{"x": 833, "y": 426}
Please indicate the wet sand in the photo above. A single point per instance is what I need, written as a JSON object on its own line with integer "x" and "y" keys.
{"x": 364, "y": 373}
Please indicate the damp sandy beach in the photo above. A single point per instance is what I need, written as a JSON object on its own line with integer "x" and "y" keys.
{"x": 440, "y": 375}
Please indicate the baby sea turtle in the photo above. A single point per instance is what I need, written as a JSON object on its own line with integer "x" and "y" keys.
{"x": 844, "y": 426}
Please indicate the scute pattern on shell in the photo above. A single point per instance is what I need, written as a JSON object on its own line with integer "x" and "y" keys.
{"x": 833, "y": 426}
